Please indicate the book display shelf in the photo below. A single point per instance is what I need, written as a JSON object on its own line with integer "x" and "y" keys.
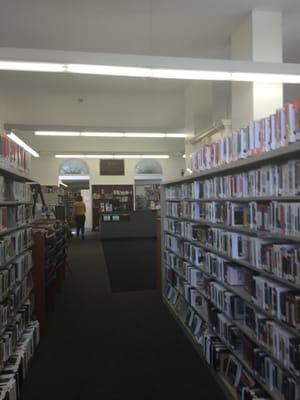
{"x": 19, "y": 332}
{"x": 231, "y": 259}
{"x": 49, "y": 257}
{"x": 111, "y": 203}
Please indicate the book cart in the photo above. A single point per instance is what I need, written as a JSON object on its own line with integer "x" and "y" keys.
{"x": 19, "y": 331}
{"x": 231, "y": 270}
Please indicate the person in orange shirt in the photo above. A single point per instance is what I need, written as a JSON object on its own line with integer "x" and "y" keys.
{"x": 79, "y": 216}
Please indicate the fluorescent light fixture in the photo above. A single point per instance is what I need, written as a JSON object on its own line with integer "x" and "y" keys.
{"x": 63, "y": 184}
{"x": 20, "y": 142}
{"x": 191, "y": 74}
{"x": 176, "y": 135}
{"x": 32, "y": 66}
{"x": 56, "y": 133}
{"x": 149, "y": 72}
{"x": 144, "y": 135}
{"x": 112, "y": 134}
{"x": 74, "y": 177}
{"x": 189, "y": 171}
{"x": 102, "y": 134}
{"x": 264, "y": 78}
{"x": 112, "y": 156}
{"x": 109, "y": 70}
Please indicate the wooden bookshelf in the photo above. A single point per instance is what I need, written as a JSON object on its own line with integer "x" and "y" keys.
{"x": 181, "y": 280}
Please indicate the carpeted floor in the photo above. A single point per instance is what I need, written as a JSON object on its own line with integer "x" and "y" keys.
{"x": 132, "y": 267}
{"x": 101, "y": 345}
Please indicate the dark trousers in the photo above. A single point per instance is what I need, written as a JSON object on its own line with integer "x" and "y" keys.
{"x": 80, "y": 221}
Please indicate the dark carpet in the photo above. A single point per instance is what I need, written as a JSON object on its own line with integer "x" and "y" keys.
{"x": 130, "y": 264}
{"x": 100, "y": 345}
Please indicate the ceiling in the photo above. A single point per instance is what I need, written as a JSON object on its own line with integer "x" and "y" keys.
{"x": 190, "y": 28}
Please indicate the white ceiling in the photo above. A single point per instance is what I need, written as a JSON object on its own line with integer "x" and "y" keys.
{"x": 196, "y": 28}
{"x": 187, "y": 28}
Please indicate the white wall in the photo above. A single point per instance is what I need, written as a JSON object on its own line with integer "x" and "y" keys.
{"x": 45, "y": 170}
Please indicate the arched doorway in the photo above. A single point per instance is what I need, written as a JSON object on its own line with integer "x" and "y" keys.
{"x": 74, "y": 175}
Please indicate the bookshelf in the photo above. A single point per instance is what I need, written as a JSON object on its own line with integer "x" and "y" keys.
{"x": 56, "y": 198}
{"x": 49, "y": 257}
{"x": 19, "y": 332}
{"x": 111, "y": 200}
{"x": 230, "y": 270}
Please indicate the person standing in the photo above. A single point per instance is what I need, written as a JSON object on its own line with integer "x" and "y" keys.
{"x": 79, "y": 216}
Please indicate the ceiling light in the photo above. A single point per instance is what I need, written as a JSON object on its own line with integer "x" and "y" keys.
{"x": 56, "y": 133}
{"x": 63, "y": 184}
{"x": 31, "y": 66}
{"x": 264, "y": 78}
{"x": 112, "y": 156}
{"x": 183, "y": 155}
{"x": 144, "y": 135}
{"x": 109, "y": 70}
{"x": 176, "y": 135}
{"x": 102, "y": 134}
{"x": 112, "y": 134}
{"x": 191, "y": 74}
{"x": 74, "y": 177}
{"x": 20, "y": 142}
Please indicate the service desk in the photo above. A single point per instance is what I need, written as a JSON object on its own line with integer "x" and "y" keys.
{"x": 132, "y": 224}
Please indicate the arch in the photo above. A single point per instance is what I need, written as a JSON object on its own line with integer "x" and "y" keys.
{"x": 74, "y": 167}
{"x": 148, "y": 167}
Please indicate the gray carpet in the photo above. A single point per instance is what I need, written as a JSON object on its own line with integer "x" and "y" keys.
{"x": 101, "y": 345}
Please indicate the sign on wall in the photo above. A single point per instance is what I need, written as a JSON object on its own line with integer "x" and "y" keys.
{"x": 112, "y": 167}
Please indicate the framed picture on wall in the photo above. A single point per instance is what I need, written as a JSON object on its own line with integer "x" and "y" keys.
{"x": 112, "y": 167}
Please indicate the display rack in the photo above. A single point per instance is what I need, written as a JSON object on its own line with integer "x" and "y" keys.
{"x": 239, "y": 306}
{"x": 111, "y": 200}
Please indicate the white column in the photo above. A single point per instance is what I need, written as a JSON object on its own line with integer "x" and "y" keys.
{"x": 197, "y": 112}
{"x": 258, "y": 38}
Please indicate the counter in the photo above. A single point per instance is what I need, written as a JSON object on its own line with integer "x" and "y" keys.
{"x": 132, "y": 224}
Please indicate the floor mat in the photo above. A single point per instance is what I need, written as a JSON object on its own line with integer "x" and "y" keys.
{"x": 131, "y": 264}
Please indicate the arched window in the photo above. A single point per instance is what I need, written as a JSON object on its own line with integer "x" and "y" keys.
{"x": 148, "y": 166}
{"x": 74, "y": 167}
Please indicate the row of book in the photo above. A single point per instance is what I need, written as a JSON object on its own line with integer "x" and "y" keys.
{"x": 229, "y": 336}
{"x": 14, "y": 155}
{"x": 282, "y": 345}
{"x": 214, "y": 351}
{"x": 16, "y": 298}
{"x": 14, "y": 216}
{"x": 277, "y": 299}
{"x": 197, "y": 287}
{"x": 12, "y": 190}
{"x": 277, "y": 130}
{"x": 279, "y": 259}
{"x": 14, "y": 372}
{"x": 275, "y": 216}
{"x": 14, "y": 273}
{"x": 13, "y": 244}
{"x": 270, "y": 180}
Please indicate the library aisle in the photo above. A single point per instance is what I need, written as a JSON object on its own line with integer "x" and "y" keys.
{"x": 115, "y": 345}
